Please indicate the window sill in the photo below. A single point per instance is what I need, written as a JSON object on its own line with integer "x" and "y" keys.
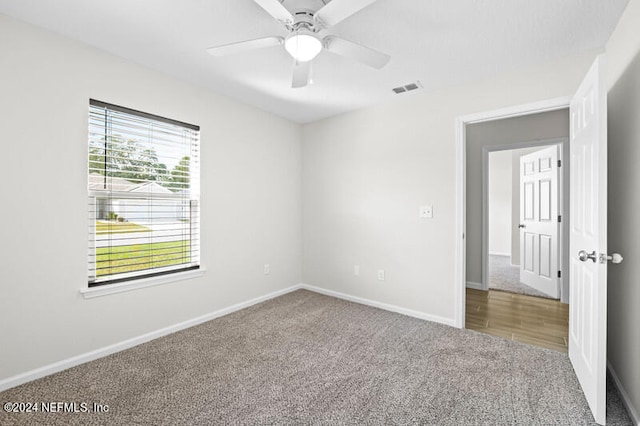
{"x": 107, "y": 289}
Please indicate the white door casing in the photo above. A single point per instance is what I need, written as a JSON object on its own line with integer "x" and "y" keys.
{"x": 588, "y": 295}
{"x": 539, "y": 226}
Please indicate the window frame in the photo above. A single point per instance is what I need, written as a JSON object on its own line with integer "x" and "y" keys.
{"x": 125, "y": 281}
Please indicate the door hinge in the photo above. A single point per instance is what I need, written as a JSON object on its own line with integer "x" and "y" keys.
{"x": 559, "y": 274}
{"x": 559, "y": 218}
{"x": 559, "y": 163}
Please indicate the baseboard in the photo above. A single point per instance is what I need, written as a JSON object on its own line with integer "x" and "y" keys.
{"x": 135, "y": 341}
{"x": 385, "y": 306}
{"x": 496, "y": 253}
{"x": 631, "y": 410}
{"x": 475, "y": 286}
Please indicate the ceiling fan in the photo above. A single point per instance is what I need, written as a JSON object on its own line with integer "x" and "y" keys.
{"x": 307, "y": 36}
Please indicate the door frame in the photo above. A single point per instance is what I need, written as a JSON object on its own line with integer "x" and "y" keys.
{"x": 460, "y": 191}
{"x": 563, "y": 206}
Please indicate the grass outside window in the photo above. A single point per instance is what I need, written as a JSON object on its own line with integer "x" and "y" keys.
{"x": 136, "y": 257}
{"x": 107, "y": 227}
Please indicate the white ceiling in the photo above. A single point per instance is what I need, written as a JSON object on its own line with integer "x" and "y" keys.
{"x": 438, "y": 42}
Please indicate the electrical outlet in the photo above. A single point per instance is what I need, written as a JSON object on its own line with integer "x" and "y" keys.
{"x": 356, "y": 270}
{"x": 380, "y": 274}
{"x": 426, "y": 212}
{"x": 267, "y": 269}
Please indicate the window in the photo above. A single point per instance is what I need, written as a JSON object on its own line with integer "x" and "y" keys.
{"x": 144, "y": 190}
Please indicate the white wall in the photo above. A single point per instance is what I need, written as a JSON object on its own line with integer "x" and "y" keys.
{"x": 623, "y": 340}
{"x": 251, "y": 211}
{"x": 500, "y": 200}
{"x": 366, "y": 173}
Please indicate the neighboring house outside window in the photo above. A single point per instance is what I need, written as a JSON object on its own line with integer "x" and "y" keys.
{"x": 143, "y": 187}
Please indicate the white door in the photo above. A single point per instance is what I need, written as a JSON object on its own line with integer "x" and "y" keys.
{"x": 588, "y": 282}
{"x": 539, "y": 227}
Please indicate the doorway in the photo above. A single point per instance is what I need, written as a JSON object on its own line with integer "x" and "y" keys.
{"x": 462, "y": 218}
{"x": 522, "y": 185}
{"x": 523, "y": 206}
{"x": 527, "y": 128}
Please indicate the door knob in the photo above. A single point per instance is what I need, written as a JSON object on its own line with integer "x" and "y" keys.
{"x": 613, "y": 258}
{"x": 522, "y": 225}
{"x": 584, "y": 256}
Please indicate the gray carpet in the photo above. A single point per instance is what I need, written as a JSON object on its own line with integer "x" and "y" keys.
{"x": 304, "y": 358}
{"x": 505, "y": 277}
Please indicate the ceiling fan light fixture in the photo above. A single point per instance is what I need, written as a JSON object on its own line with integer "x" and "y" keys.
{"x": 303, "y": 45}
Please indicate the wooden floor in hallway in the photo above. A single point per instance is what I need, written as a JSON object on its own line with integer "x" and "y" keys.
{"x": 533, "y": 320}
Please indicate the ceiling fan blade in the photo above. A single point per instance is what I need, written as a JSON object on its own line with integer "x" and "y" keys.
{"x": 244, "y": 46}
{"x": 356, "y": 51}
{"x": 276, "y": 9}
{"x": 337, "y": 10}
{"x": 301, "y": 72}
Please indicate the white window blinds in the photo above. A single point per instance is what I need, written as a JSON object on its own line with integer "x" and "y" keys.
{"x": 144, "y": 192}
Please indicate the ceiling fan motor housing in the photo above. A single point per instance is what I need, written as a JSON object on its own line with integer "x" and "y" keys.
{"x": 303, "y": 43}
{"x": 303, "y": 19}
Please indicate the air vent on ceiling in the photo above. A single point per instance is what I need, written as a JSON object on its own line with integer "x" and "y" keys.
{"x": 407, "y": 87}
